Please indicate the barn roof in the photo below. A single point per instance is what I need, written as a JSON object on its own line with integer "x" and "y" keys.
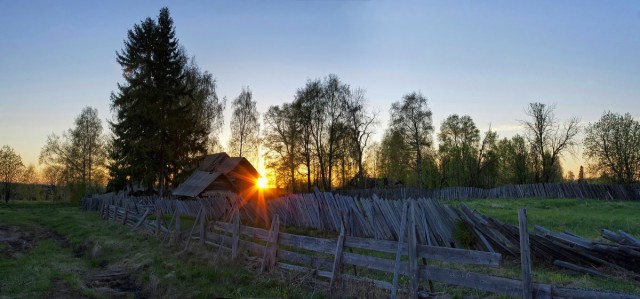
{"x": 199, "y": 181}
{"x": 241, "y": 164}
{"x": 210, "y": 162}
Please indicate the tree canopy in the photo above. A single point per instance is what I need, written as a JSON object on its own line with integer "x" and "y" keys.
{"x": 612, "y": 146}
{"x": 10, "y": 170}
{"x": 245, "y": 126}
{"x": 411, "y": 120}
{"x": 78, "y": 154}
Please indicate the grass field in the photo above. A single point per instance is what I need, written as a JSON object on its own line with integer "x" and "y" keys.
{"x": 63, "y": 251}
{"x": 67, "y": 249}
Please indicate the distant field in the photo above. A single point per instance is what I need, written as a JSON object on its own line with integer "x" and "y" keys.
{"x": 579, "y": 216}
{"x": 57, "y": 251}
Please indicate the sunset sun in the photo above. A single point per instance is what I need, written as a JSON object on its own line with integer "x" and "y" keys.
{"x": 262, "y": 183}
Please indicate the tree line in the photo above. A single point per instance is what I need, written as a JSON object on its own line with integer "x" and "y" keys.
{"x": 167, "y": 116}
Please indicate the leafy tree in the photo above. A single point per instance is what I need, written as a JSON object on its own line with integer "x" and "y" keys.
{"x": 411, "y": 120}
{"x": 164, "y": 112}
{"x": 395, "y": 157}
{"x": 281, "y": 137}
{"x": 359, "y": 124}
{"x": 548, "y": 139}
{"x": 79, "y": 153}
{"x": 321, "y": 110}
{"x": 513, "y": 161}
{"x": 334, "y": 96}
{"x": 458, "y": 148}
{"x": 487, "y": 161}
{"x": 303, "y": 106}
{"x": 10, "y": 169}
{"x": 245, "y": 128}
{"x": 612, "y": 146}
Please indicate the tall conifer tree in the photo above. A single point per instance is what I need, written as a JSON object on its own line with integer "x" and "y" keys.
{"x": 163, "y": 111}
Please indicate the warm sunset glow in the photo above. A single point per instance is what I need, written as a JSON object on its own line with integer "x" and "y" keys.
{"x": 262, "y": 182}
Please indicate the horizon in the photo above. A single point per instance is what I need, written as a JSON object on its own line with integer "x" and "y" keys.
{"x": 487, "y": 61}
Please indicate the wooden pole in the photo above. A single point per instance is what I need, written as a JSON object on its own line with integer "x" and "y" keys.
{"x": 396, "y": 270}
{"x": 412, "y": 252}
{"x": 158, "y": 219}
{"x": 274, "y": 243}
{"x": 266, "y": 255}
{"x": 178, "y": 229}
{"x": 144, "y": 216}
{"x": 337, "y": 261}
{"x": 235, "y": 239}
{"x": 525, "y": 256}
{"x": 193, "y": 228}
{"x": 203, "y": 235}
{"x": 126, "y": 214}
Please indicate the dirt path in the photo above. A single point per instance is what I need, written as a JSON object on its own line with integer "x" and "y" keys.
{"x": 111, "y": 282}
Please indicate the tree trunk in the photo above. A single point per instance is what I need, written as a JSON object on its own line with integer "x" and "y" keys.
{"x": 419, "y": 166}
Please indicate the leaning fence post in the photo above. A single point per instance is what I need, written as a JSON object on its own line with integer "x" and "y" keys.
{"x": 338, "y": 257}
{"x": 412, "y": 252}
{"x": 158, "y": 217}
{"x": 203, "y": 221}
{"x": 235, "y": 239}
{"x": 274, "y": 243}
{"x": 525, "y": 255}
{"x": 269, "y": 256}
{"x": 126, "y": 214}
{"x": 396, "y": 270}
{"x": 178, "y": 231}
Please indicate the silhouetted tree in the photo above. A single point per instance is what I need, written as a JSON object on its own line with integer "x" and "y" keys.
{"x": 612, "y": 146}
{"x": 411, "y": 120}
{"x": 548, "y": 139}
{"x": 79, "y": 153}
{"x": 245, "y": 128}
{"x": 281, "y": 137}
{"x": 164, "y": 111}
{"x": 10, "y": 169}
{"x": 458, "y": 148}
{"x": 359, "y": 124}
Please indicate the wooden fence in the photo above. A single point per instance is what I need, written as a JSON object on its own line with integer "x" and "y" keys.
{"x": 383, "y": 261}
{"x": 544, "y": 190}
{"x": 380, "y": 219}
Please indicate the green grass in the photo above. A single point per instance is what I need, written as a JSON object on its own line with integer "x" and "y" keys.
{"x": 582, "y": 217}
{"x": 157, "y": 269}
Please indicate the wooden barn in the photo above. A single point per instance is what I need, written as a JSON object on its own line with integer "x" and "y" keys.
{"x": 219, "y": 172}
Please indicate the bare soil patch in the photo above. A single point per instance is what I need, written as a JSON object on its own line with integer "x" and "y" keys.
{"x": 16, "y": 241}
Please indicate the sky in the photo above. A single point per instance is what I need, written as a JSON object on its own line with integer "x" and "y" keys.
{"x": 485, "y": 59}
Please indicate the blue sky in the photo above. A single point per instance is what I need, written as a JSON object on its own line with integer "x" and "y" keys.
{"x": 486, "y": 59}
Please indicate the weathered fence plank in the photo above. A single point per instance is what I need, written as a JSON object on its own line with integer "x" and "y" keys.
{"x": 401, "y": 234}
{"x": 525, "y": 255}
{"x": 337, "y": 261}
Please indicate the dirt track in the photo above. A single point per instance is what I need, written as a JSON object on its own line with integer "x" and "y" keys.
{"x": 16, "y": 241}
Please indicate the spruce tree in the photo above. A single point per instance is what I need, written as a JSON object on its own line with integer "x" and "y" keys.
{"x": 163, "y": 111}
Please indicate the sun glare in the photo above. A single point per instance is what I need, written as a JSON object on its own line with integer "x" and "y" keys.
{"x": 262, "y": 182}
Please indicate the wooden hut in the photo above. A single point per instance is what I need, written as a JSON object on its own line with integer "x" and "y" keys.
{"x": 219, "y": 172}
{"x": 202, "y": 182}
